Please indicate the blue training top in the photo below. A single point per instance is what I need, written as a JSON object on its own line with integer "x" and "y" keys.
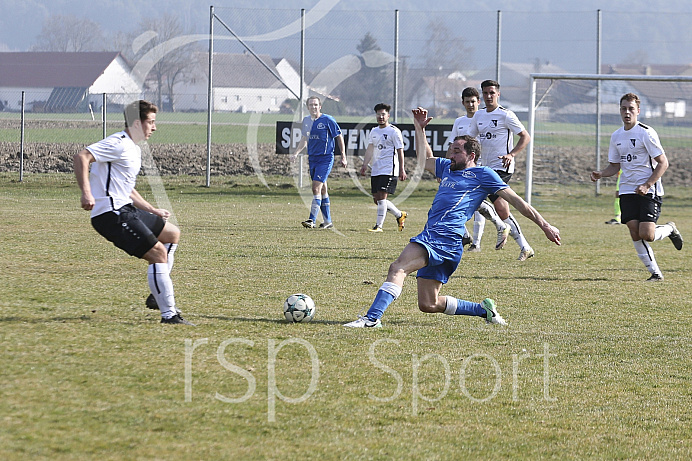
{"x": 320, "y": 134}
{"x": 459, "y": 195}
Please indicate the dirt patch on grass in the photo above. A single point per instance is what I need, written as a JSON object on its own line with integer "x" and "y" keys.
{"x": 551, "y": 165}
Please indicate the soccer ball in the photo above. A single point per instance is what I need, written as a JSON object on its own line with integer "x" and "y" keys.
{"x": 299, "y": 308}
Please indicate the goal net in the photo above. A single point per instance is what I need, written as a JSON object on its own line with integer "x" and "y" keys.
{"x": 571, "y": 118}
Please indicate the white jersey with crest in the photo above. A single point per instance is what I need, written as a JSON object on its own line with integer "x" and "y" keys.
{"x": 462, "y": 127}
{"x": 385, "y": 142}
{"x": 636, "y": 150}
{"x": 495, "y": 130}
{"x": 114, "y": 173}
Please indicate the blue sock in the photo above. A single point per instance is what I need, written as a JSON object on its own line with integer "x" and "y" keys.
{"x": 380, "y": 304}
{"x": 324, "y": 206}
{"x": 316, "y": 205}
{"x": 462, "y": 307}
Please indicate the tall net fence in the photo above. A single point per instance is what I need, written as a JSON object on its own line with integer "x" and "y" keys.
{"x": 565, "y": 135}
{"x": 349, "y": 61}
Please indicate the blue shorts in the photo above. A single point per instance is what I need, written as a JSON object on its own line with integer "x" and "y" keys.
{"x": 442, "y": 260}
{"x": 320, "y": 167}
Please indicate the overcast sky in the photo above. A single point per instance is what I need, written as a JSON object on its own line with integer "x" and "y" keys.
{"x": 545, "y": 30}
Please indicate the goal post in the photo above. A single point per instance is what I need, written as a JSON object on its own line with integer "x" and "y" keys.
{"x": 571, "y": 105}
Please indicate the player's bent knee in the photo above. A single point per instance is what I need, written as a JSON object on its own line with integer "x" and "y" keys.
{"x": 157, "y": 254}
{"x": 169, "y": 234}
{"x": 427, "y": 308}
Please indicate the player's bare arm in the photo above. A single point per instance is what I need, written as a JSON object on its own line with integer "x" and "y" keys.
{"x": 342, "y": 149}
{"x": 139, "y": 202}
{"x": 402, "y": 170}
{"x": 608, "y": 171}
{"x": 301, "y": 145}
{"x": 524, "y": 139}
{"x": 551, "y": 232}
{"x": 423, "y": 150}
{"x": 661, "y": 168}
{"x": 81, "y": 161}
{"x": 366, "y": 159}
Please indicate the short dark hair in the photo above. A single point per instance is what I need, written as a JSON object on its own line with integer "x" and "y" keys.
{"x": 470, "y": 92}
{"x": 471, "y": 144}
{"x": 138, "y": 110}
{"x": 630, "y": 97}
{"x": 384, "y": 106}
{"x": 319, "y": 101}
{"x": 487, "y": 83}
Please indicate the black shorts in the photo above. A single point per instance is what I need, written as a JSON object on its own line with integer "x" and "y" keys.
{"x": 505, "y": 178}
{"x": 642, "y": 208}
{"x": 383, "y": 183}
{"x": 133, "y": 230}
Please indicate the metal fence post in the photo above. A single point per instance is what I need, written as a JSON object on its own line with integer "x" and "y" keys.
{"x": 21, "y": 141}
{"x": 103, "y": 116}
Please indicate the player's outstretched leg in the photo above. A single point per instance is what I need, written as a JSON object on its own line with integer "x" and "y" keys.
{"x": 515, "y": 231}
{"x": 503, "y": 230}
{"x": 646, "y": 256}
{"x": 485, "y": 309}
{"x": 386, "y": 295}
{"x": 671, "y": 231}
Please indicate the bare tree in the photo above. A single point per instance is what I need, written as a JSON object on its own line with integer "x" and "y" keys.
{"x": 445, "y": 51}
{"x": 171, "y": 61}
{"x": 67, "y": 33}
{"x": 370, "y": 85}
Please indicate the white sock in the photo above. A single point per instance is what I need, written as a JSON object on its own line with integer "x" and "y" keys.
{"x": 488, "y": 211}
{"x": 478, "y": 227}
{"x": 161, "y": 287}
{"x": 391, "y": 288}
{"x": 515, "y": 232}
{"x": 170, "y": 249}
{"x": 391, "y": 208}
{"x": 450, "y": 305}
{"x": 646, "y": 256}
{"x": 381, "y": 212}
{"x": 662, "y": 231}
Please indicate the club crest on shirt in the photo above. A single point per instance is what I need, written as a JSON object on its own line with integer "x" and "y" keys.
{"x": 494, "y": 123}
{"x": 634, "y": 142}
{"x": 320, "y": 126}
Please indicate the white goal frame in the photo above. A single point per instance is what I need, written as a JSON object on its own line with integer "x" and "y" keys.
{"x": 597, "y": 77}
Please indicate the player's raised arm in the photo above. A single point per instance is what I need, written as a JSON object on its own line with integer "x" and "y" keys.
{"x": 423, "y": 150}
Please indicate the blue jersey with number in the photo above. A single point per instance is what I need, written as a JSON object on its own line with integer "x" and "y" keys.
{"x": 320, "y": 133}
{"x": 459, "y": 195}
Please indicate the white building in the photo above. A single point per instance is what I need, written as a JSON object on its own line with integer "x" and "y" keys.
{"x": 241, "y": 84}
{"x": 65, "y": 82}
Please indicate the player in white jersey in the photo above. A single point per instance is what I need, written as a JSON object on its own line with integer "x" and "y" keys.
{"x": 471, "y": 99}
{"x": 636, "y": 151}
{"x": 120, "y": 213}
{"x": 386, "y": 151}
{"x": 495, "y": 127}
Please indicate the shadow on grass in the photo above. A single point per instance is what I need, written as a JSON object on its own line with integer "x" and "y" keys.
{"x": 43, "y": 320}
{"x": 285, "y": 322}
{"x": 538, "y": 278}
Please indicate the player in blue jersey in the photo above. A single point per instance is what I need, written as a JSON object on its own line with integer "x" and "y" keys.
{"x": 435, "y": 253}
{"x": 321, "y": 134}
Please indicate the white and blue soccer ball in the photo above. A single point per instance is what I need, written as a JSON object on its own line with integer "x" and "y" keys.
{"x": 299, "y": 308}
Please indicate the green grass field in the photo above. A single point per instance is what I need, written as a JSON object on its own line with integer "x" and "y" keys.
{"x": 594, "y": 363}
{"x": 187, "y": 128}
